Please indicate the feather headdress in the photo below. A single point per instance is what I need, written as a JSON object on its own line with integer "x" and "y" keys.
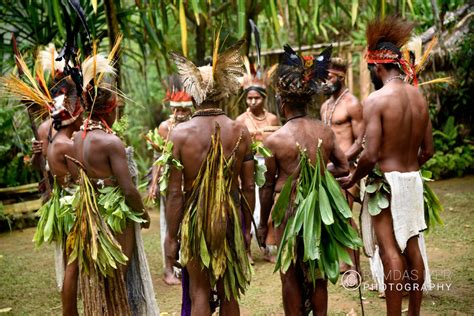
{"x": 30, "y": 89}
{"x": 413, "y": 51}
{"x": 301, "y": 76}
{"x": 175, "y": 94}
{"x": 47, "y": 57}
{"x": 385, "y": 37}
{"x": 253, "y": 80}
{"x": 212, "y": 83}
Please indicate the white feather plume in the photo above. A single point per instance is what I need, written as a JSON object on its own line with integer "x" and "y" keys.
{"x": 47, "y": 58}
{"x": 93, "y": 66}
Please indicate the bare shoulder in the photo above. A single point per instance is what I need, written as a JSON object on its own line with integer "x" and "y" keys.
{"x": 278, "y": 139}
{"x": 353, "y": 100}
{"x": 273, "y": 119}
{"x": 241, "y": 117}
{"x": 181, "y": 131}
{"x": 239, "y": 124}
{"x": 163, "y": 128}
{"x": 113, "y": 143}
{"x": 43, "y": 129}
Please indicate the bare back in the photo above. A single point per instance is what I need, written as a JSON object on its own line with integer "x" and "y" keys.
{"x": 92, "y": 152}
{"x": 192, "y": 140}
{"x": 403, "y": 114}
{"x": 306, "y": 133}
{"x": 58, "y": 164}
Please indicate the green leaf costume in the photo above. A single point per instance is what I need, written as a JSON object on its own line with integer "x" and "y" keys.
{"x": 317, "y": 229}
{"x": 211, "y": 231}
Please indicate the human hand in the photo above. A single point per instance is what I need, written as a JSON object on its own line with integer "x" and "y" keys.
{"x": 346, "y": 182}
{"x": 37, "y": 147}
{"x": 146, "y": 217}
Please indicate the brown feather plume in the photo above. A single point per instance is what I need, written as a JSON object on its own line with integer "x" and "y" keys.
{"x": 392, "y": 29}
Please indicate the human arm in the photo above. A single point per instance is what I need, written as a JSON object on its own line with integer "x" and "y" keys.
{"x": 119, "y": 166}
{"x": 266, "y": 194}
{"x": 39, "y": 146}
{"x": 339, "y": 166}
{"x": 370, "y": 155}
{"x": 174, "y": 206}
{"x": 355, "y": 112}
{"x": 247, "y": 183}
{"x": 427, "y": 148}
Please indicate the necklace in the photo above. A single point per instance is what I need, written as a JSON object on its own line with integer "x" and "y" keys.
{"x": 333, "y": 108}
{"x": 295, "y": 117}
{"x": 91, "y": 125}
{"x": 401, "y": 77}
{"x": 253, "y": 116}
{"x": 208, "y": 112}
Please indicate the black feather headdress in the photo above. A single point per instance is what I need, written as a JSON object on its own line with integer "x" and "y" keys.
{"x": 301, "y": 76}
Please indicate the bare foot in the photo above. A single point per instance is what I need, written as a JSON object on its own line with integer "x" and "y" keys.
{"x": 171, "y": 279}
{"x": 250, "y": 258}
{"x": 269, "y": 258}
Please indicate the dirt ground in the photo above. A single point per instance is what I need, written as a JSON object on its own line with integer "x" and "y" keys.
{"x": 27, "y": 277}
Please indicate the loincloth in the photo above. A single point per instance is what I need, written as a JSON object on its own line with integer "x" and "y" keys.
{"x": 404, "y": 193}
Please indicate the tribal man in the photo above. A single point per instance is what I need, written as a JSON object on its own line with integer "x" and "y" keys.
{"x": 301, "y": 143}
{"x": 398, "y": 142}
{"x": 343, "y": 113}
{"x": 181, "y": 104}
{"x": 115, "y": 211}
{"x": 260, "y": 124}
{"x": 214, "y": 151}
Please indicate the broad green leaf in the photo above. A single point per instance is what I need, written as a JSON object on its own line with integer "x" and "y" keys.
{"x": 334, "y": 191}
{"x": 371, "y": 188}
{"x": 383, "y": 202}
{"x": 204, "y": 252}
{"x": 279, "y": 210}
{"x": 325, "y": 207}
{"x": 373, "y": 207}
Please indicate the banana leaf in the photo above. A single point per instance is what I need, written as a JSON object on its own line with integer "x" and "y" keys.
{"x": 56, "y": 217}
{"x": 321, "y": 223}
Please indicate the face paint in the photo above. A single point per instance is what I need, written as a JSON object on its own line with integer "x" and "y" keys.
{"x": 376, "y": 81}
{"x": 331, "y": 88}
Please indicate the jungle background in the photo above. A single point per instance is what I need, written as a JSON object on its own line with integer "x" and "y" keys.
{"x": 153, "y": 28}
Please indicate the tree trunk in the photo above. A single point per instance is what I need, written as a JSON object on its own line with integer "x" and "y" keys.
{"x": 113, "y": 31}
{"x": 201, "y": 40}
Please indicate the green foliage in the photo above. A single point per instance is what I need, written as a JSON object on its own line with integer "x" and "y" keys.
{"x": 453, "y": 155}
{"x": 15, "y": 151}
{"x": 260, "y": 169}
{"x": 56, "y": 217}
{"x": 115, "y": 210}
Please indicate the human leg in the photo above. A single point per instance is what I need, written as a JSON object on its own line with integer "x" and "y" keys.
{"x": 127, "y": 241}
{"x": 169, "y": 276}
{"x": 319, "y": 297}
{"x": 392, "y": 261}
{"x": 69, "y": 291}
{"x": 416, "y": 272}
{"x": 199, "y": 288}
{"x": 227, "y": 307}
{"x": 291, "y": 291}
